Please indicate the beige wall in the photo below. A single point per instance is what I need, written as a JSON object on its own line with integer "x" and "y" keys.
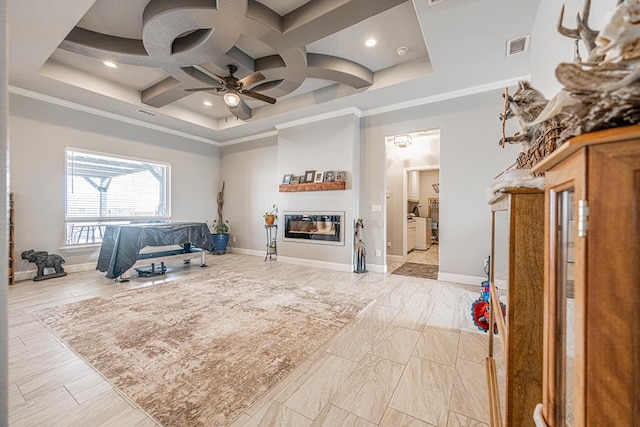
{"x": 251, "y": 188}
{"x": 39, "y": 134}
{"x": 427, "y": 179}
{"x": 549, "y": 48}
{"x": 330, "y": 144}
{"x": 469, "y": 159}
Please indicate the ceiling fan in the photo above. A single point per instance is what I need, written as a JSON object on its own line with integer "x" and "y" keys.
{"x": 234, "y": 87}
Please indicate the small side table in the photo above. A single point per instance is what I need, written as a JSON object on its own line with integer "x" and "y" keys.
{"x": 272, "y": 245}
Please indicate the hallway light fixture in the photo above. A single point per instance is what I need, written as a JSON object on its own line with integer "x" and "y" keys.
{"x": 402, "y": 141}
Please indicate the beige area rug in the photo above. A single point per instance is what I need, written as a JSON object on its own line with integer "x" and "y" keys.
{"x": 198, "y": 351}
{"x": 425, "y": 271}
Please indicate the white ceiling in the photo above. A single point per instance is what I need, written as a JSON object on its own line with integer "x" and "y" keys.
{"x": 453, "y": 47}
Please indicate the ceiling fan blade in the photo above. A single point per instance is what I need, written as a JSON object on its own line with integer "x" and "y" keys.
{"x": 259, "y": 96}
{"x": 208, "y": 73}
{"x": 251, "y": 79}
{"x": 199, "y": 89}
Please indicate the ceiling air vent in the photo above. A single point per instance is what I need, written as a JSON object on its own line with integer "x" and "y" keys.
{"x": 518, "y": 45}
{"x": 148, "y": 113}
{"x": 434, "y": 2}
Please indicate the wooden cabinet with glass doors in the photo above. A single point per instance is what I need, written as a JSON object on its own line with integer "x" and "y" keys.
{"x": 517, "y": 223}
{"x": 592, "y": 281}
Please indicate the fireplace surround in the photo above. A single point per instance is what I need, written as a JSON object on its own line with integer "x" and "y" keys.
{"x": 324, "y": 228}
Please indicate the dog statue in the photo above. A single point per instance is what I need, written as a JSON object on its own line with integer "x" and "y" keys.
{"x": 43, "y": 260}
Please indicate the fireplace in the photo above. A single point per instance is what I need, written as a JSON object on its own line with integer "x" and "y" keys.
{"x": 326, "y": 228}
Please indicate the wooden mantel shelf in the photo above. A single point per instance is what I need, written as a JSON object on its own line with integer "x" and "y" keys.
{"x": 313, "y": 186}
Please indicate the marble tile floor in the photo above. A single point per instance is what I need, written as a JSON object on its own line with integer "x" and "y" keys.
{"x": 412, "y": 358}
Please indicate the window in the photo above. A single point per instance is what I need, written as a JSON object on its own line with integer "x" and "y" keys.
{"x": 102, "y": 190}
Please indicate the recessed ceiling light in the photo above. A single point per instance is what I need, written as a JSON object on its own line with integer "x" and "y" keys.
{"x": 207, "y": 103}
{"x": 371, "y": 42}
{"x": 110, "y": 64}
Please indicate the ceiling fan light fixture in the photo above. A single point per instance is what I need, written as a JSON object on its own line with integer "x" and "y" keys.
{"x": 231, "y": 98}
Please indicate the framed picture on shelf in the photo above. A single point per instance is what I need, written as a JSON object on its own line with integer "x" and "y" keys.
{"x": 340, "y": 175}
{"x": 287, "y": 179}
{"x": 295, "y": 179}
{"x": 309, "y": 176}
{"x": 328, "y": 176}
{"x": 319, "y": 176}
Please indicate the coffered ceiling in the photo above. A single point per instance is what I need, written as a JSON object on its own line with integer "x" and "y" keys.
{"x": 309, "y": 55}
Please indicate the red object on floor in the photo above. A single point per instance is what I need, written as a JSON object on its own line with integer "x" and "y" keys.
{"x": 480, "y": 314}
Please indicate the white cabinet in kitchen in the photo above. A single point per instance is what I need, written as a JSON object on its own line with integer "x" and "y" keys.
{"x": 421, "y": 233}
{"x": 411, "y": 234}
{"x": 413, "y": 186}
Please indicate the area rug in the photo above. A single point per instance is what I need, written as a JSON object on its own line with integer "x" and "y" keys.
{"x": 426, "y": 271}
{"x": 198, "y": 351}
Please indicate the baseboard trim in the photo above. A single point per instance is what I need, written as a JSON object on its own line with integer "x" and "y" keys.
{"x": 318, "y": 264}
{"x": 376, "y": 268}
{"x": 246, "y": 251}
{"x": 461, "y": 278}
{"x": 73, "y": 268}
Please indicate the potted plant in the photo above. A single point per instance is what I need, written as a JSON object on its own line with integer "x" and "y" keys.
{"x": 219, "y": 236}
{"x": 271, "y": 216}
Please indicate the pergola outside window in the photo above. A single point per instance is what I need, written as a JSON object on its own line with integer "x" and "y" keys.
{"x": 103, "y": 189}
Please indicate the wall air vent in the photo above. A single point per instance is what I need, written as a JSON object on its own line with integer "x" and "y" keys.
{"x": 434, "y": 2}
{"x": 148, "y": 113}
{"x": 518, "y": 45}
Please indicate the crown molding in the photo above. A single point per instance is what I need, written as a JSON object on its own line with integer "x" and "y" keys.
{"x": 318, "y": 117}
{"x": 473, "y": 90}
{"x": 97, "y": 112}
{"x": 248, "y": 138}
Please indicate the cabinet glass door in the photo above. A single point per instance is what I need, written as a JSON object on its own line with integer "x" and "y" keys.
{"x": 565, "y": 237}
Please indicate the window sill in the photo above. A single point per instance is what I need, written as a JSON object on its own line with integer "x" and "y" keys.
{"x": 80, "y": 248}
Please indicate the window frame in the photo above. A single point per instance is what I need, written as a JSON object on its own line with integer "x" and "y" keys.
{"x": 103, "y": 221}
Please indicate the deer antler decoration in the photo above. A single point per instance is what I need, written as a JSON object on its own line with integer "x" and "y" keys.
{"x": 582, "y": 30}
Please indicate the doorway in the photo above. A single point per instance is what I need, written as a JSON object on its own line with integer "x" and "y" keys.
{"x": 424, "y": 214}
{"x": 413, "y": 183}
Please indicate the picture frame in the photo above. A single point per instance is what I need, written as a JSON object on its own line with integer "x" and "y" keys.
{"x": 328, "y": 176}
{"x": 340, "y": 175}
{"x": 287, "y": 178}
{"x": 319, "y": 176}
{"x": 295, "y": 179}
{"x": 309, "y": 176}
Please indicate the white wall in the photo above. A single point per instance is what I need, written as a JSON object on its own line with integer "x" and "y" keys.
{"x": 330, "y": 144}
{"x": 253, "y": 171}
{"x": 549, "y": 48}
{"x": 40, "y": 132}
{"x": 251, "y": 187}
{"x": 469, "y": 159}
